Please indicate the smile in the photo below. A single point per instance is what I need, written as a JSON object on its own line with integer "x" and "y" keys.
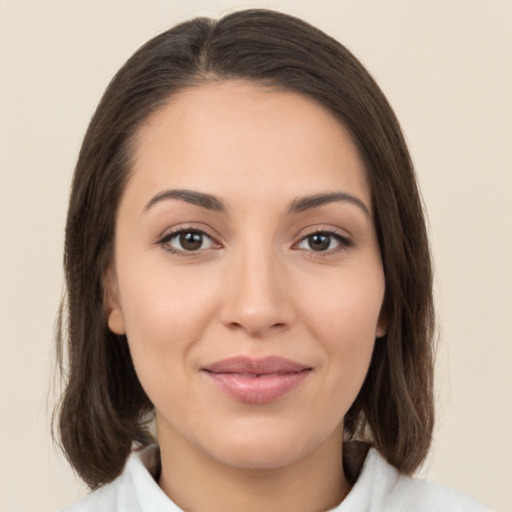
{"x": 256, "y": 381}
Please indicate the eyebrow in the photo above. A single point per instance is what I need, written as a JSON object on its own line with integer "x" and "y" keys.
{"x": 201, "y": 199}
{"x": 302, "y": 204}
{"x": 211, "y": 202}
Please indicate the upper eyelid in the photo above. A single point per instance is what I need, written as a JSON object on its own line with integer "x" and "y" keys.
{"x": 170, "y": 232}
{"x": 325, "y": 232}
{"x": 323, "y": 228}
{"x": 343, "y": 239}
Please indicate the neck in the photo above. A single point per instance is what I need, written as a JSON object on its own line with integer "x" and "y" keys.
{"x": 196, "y": 482}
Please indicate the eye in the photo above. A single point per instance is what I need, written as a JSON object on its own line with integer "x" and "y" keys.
{"x": 186, "y": 240}
{"x": 323, "y": 241}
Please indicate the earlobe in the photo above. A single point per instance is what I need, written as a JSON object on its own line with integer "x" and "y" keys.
{"x": 382, "y": 324}
{"x": 113, "y": 311}
{"x": 115, "y": 321}
{"x": 381, "y": 330}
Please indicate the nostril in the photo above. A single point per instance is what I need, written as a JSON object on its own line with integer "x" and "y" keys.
{"x": 256, "y": 328}
{"x": 255, "y": 306}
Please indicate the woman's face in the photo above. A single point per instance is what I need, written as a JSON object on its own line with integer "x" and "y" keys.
{"x": 247, "y": 274}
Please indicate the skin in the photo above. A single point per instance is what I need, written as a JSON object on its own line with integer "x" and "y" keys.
{"x": 254, "y": 287}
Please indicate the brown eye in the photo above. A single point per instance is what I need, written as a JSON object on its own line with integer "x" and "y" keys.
{"x": 324, "y": 241}
{"x": 319, "y": 242}
{"x": 191, "y": 241}
{"x": 187, "y": 241}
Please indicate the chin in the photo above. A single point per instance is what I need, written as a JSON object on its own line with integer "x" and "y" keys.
{"x": 261, "y": 456}
{"x": 259, "y": 449}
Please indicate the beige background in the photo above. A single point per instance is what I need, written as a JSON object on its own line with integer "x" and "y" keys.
{"x": 446, "y": 68}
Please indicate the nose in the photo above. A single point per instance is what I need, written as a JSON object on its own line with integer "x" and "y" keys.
{"x": 257, "y": 298}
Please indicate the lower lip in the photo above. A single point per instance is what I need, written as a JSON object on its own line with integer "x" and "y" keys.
{"x": 257, "y": 390}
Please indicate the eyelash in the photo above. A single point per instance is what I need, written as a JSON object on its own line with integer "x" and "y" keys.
{"x": 344, "y": 243}
{"x": 164, "y": 242}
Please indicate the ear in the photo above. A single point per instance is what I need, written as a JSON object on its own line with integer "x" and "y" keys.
{"x": 382, "y": 324}
{"x": 113, "y": 311}
{"x": 381, "y": 331}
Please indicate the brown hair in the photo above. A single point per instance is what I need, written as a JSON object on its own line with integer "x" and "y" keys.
{"x": 104, "y": 409}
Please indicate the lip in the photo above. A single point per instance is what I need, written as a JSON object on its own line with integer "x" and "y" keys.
{"x": 256, "y": 381}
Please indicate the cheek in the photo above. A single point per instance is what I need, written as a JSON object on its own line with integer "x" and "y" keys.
{"x": 344, "y": 316}
{"x": 346, "y": 308}
{"x": 165, "y": 314}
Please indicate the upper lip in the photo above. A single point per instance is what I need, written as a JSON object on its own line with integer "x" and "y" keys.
{"x": 258, "y": 366}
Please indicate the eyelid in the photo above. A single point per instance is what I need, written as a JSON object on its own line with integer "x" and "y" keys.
{"x": 188, "y": 226}
{"x": 167, "y": 236}
{"x": 345, "y": 240}
{"x": 324, "y": 228}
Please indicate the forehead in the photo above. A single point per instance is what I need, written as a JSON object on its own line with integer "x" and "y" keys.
{"x": 236, "y": 134}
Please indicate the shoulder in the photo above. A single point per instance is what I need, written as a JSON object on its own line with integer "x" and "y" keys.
{"x": 135, "y": 490}
{"x": 101, "y": 500}
{"x": 380, "y": 487}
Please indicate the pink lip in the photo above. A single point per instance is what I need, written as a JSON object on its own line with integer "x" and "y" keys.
{"x": 256, "y": 381}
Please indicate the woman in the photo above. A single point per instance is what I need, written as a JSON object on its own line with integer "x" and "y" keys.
{"x": 246, "y": 258}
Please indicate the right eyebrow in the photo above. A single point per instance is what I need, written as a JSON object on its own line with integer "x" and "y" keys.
{"x": 208, "y": 201}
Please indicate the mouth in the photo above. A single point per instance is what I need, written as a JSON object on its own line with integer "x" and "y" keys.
{"x": 256, "y": 381}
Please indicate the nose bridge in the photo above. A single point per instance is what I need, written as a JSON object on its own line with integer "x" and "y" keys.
{"x": 256, "y": 299}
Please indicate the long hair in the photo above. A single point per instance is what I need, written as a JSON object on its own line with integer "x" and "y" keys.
{"x": 104, "y": 409}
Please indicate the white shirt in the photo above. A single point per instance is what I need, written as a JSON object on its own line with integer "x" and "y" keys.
{"x": 379, "y": 488}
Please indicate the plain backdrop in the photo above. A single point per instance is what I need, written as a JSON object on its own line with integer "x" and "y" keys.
{"x": 446, "y": 68}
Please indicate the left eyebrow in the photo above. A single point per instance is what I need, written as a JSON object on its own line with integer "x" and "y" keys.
{"x": 304, "y": 203}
